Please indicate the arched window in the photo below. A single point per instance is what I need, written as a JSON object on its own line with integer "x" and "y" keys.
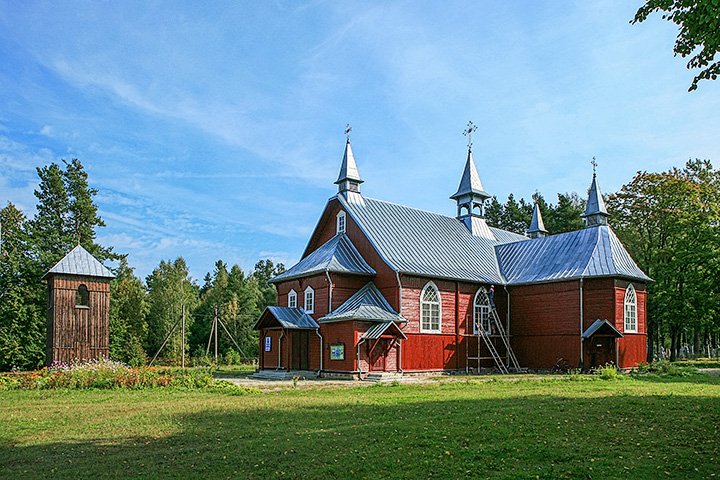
{"x": 430, "y": 309}
{"x": 340, "y": 222}
{"x": 292, "y": 299}
{"x": 82, "y": 297}
{"x": 309, "y": 300}
{"x": 481, "y": 313}
{"x": 630, "y": 309}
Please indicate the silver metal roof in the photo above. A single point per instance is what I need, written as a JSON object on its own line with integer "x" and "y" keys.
{"x": 348, "y": 169}
{"x": 336, "y": 255}
{"x": 376, "y": 331}
{"x": 595, "y": 202}
{"x": 428, "y": 244}
{"x": 80, "y": 262}
{"x": 597, "y": 325}
{"x": 591, "y": 252}
{"x": 367, "y": 304}
{"x": 536, "y": 223}
{"x": 285, "y": 317}
{"x": 470, "y": 180}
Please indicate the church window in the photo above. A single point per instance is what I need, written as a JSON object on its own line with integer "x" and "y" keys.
{"x": 82, "y": 297}
{"x": 630, "y": 309}
{"x": 341, "y": 222}
{"x": 292, "y": 299}
{"x": 481, "y": 313}
{"x": 309, "y": 300}
{"x": 430, "y": 309}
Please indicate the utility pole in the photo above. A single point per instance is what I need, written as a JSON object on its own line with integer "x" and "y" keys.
{"x": 215, "y": 325}
{"x": 183, "y": 336}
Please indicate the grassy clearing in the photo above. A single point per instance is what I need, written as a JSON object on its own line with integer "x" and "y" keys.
{"x": 570, "y": 427}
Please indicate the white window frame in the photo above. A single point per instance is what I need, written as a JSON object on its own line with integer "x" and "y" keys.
{"x": 481, "y": 313}
{"x": 292, "y": 299}
{"x": 340, "y": 223}
{"x": 426, "y": 310}
{"x": 630, "y": 323}
{"x": 309, "y": 304}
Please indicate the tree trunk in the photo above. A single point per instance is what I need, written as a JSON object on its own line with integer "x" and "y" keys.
{"x": 650, "y": 341}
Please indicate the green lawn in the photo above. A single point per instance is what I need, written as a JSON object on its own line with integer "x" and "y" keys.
{"x": 560, "y": 428}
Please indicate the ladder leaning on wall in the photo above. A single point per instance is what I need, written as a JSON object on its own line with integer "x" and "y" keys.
{"x": 496, "y": 330}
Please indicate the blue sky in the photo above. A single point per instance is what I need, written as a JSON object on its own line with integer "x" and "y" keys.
{"x": 215, "y": 130}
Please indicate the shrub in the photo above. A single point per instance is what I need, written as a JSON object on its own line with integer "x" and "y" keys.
{"x": 232, "y": 357}
{"x": 607, "y": 372}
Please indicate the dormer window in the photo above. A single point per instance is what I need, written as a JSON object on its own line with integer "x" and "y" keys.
{"x": 292, "y": 299}
{"x": 340, "y": 222}
{"x": 309, "y": 300}
{"x": 82, "y": 297}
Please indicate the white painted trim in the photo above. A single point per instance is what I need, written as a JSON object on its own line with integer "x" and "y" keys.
{"x": 292, "y": 294}
{"x": 312, "y": 300}
{"x": 340, "y": 215}
{"x": 475, "y": 306}
{"x": 630, "y": 302}
{"x": 427, "y": 286}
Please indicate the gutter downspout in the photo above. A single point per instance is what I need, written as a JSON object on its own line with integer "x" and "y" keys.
{"x": 397, "y": 276}
{"x": 507, "y": 321}
{"x": 330, "y": 289}
{"x": 457, "y": 326}
{"x": 282, "y": 334}
{"x": 582, "y": 322}
{"x": 400, "y": 356}
{"x": 358, "y": 358}
{"x": 322, "y": 350}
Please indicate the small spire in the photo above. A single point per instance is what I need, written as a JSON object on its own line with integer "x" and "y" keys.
{"x": 595, "y": 211}
{"x": 537, "y": 226}
{"x": 471, "y": 127}
{"x": 349, "y": 177}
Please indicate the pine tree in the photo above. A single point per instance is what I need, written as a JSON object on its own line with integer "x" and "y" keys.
{"x": 128, "y": 312}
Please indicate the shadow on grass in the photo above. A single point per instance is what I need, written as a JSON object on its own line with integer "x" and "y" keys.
{"x": 385, "y": 432}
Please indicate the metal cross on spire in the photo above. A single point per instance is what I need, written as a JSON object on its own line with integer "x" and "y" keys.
{"x": 348, "y": 129}
{"x": 594, "y": 165}
{"x": 471, "y": 127}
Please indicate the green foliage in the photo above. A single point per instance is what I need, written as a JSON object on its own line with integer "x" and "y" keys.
{"x": 607, "y": 372}
{"x": 666, "y": 368}
{"x": 515, "y": 216}
{"x": 22, "y": 320}
{"x": 169, "y": 289}
{"x": 699, "y": 36}
{"x": 128, "y": 312}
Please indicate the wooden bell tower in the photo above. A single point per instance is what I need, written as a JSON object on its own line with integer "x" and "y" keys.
{"x": 78, "y": 308}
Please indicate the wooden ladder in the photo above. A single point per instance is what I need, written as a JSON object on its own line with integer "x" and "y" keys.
{"x": 495, "y": 321}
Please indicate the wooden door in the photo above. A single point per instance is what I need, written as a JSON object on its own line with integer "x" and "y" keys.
{"x": 300, "y": 350}
{"x": 377, "y": 356}
{"x": 602, "y": 350}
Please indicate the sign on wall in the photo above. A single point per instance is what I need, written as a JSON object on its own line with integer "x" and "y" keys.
{"x": 337, "y": 351}
{"x": 268, "y": 344}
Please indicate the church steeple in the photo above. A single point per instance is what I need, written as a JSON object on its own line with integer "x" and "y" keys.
{"x": 349, "y": 178}
{"x": 595, "y": 211}
{"x": 470, "y": 194}
{"x": 537, "y": 226}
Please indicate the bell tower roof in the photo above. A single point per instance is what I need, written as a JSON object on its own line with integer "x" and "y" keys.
{"x": 595, "y": 211}
{"x": 537, "y": 226}
{"x": 349, "y": 177}
{"x": 470, "y": 181}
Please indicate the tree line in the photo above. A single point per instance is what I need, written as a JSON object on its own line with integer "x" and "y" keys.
{"x": 141, "y": 312}
{"x": 669, "y": 222}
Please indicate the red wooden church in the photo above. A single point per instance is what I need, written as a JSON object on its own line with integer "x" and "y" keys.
{"x": 382, "y": 287}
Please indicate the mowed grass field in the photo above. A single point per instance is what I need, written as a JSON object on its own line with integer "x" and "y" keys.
{"x": 531, "y": 428}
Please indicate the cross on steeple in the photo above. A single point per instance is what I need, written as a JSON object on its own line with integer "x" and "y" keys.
{"x": 471, "y": 127}
{"x": 348, "y": 129}
{"x": 594, "y": 165}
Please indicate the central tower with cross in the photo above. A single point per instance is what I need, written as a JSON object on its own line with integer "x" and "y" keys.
{"x": 471, "y": 195}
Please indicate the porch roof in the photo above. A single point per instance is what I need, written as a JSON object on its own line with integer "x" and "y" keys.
{"x": 284, "y": 317}
{"x": 606, "y": 327}
{"x": 368, "y": 305}
{"x": 377, "y": 330}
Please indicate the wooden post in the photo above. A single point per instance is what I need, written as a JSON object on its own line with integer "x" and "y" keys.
{"x": 182, "y": 342}
{"x": 215, "y": 323}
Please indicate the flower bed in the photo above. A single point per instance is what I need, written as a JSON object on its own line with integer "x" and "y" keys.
{"x": 105, "y": 373}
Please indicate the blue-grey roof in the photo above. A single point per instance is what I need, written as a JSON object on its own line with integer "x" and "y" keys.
{"x": 80, "y": 262}
{"x": 536, "y": 222}
{"x": 429, "y": 244}
{"x": 597, "y": 325}
{"x": 595, "y": 203}
{"x": 285, "y": 317}
{"x": 470, "y": 181}
{"x": 336, "y": 255}
{"x": 367, "y": 304}
{"x": 376, "y": 331}
{"x": 348, "y": 169}
{"x": 591, "y": 252}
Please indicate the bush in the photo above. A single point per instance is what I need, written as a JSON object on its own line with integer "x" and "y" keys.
{"x": 232, "y": 357}
{"x": 607, "y": 372}
{"x": 665, "y": 368}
